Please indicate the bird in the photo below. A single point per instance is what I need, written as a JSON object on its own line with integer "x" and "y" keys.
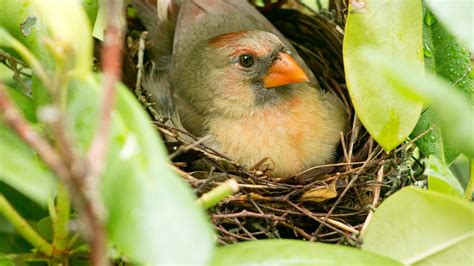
{"x": 224, "y": 72}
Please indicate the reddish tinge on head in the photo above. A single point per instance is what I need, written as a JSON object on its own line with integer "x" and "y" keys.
{"x": 225, "y": 39}
{"x": 242, "y": 42}
{"x": 283, "y": 71}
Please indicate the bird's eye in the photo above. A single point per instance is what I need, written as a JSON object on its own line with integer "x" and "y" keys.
{"x": 246, "y": 60}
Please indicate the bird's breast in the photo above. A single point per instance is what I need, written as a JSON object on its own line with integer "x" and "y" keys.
{"x": 292, "y": 134}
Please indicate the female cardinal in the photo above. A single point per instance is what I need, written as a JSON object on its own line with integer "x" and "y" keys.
{"x": 243, "y": 86}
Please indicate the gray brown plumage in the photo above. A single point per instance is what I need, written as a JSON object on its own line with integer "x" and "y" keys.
{"x": 225, "y": 72}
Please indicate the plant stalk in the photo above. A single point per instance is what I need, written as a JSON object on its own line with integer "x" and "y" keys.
{"x": 24, "y": 228}
{"x": 61, "y": 221}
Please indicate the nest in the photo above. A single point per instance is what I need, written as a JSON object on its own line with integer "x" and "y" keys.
{"x": 328, "y": 203}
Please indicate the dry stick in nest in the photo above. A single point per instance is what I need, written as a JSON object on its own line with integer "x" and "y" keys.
{"x": 354, "y": 179}
{"x": 374, "y": 201}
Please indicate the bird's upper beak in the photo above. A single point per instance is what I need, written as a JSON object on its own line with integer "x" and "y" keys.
{"x": 284, "y": 71}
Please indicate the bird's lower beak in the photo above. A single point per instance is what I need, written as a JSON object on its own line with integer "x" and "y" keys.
{"x": 284, "y": 71}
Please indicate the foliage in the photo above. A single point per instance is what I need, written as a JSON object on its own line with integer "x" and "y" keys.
{"x": 150, "y": 215}
{"x": 431, "y": 228}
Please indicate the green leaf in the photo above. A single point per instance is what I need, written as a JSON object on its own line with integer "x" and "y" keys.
{"x": 445, "y": 57}
{"x": 22, "y": 169}
{"x": 151, "y": 213}
{"x": 395, "y": 28}
{"x": 416, "y": 226}
{"x": 440, "y": 178}
{"x": 70, "y": 29}
{"x": 21, "y": 23}
{"x": 22, "y": 102}
{"x": 294, "y": 253}
{"x": 457, "y": 16}
{"x": 6, "y": 261}
{"x": 27, "y": 208}
{"x": 91, "y": 7}
{"x": 45, "y": 228}
{"x": 433, "y": 143}
{"x": 454, "y": 113}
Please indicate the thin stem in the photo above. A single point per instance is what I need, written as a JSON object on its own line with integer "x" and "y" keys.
{"x": 470, "y": 183}
{"x": 24, "y": 228}
{"x": 61, "y": 221}
{"x": 111, "y": 58}
{"x": 219, "y": 193}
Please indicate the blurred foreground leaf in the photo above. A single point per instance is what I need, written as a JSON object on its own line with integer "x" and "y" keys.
{"x": 151, "y": 213}
{"x": 454, "y": 113}
{"x": 394, "y": 27}
{"x": 416, "y": 226}
{"x": 294, "y": 253}
{"x": 457, "y": 16}
{"x": 21, "y": 169}
{"x": 445, "y": 57}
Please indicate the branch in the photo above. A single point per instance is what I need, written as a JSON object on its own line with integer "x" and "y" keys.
{"x": 111, "y": 58}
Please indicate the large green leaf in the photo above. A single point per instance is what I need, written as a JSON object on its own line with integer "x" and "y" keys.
{"x": 420, "y": 227}
{"x": 454, "y": 113}
{"x": 445, "y": 57}
{"x": 21, "y": 169}
{"x": 294, "y": 253}
{"x": 19, "y": 165}
{"x": 395, "y": 28}
{"x": 457, "y": 16}
{"x": 151, "y": 214}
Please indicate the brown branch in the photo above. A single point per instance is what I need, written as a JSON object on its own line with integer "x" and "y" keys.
{"x": 374, "y": 201}
{"x": 111, "y": 58}
{"x": 246, "y": 213}
{"x": 351, "y": 183}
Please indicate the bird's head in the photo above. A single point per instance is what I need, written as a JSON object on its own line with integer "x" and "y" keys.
{"x": 242, "y": 70}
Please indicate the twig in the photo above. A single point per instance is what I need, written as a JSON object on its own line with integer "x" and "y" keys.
{"x": 342, "y": 195}
{"x": 24, "y": 228}
{"x": 374, "y": 201}
{"x": 185, "y": 148}
{"x": 214, "y": 196}
{"x": 325, "y": 221}
{"x": 246, "y": 213}
{"x": 141, "y": 52}
{"x": 191, "y": 179}
{"x": 414, "y": 139}
{"x": 297, "y": 230}
{"x": 111, "y": 58}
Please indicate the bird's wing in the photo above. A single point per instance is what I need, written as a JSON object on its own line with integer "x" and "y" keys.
{"x": 200, "y": 20}
{"x": 160, "y": 21}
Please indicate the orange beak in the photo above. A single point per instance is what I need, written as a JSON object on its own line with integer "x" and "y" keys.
{"x": 284, "y": 71}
